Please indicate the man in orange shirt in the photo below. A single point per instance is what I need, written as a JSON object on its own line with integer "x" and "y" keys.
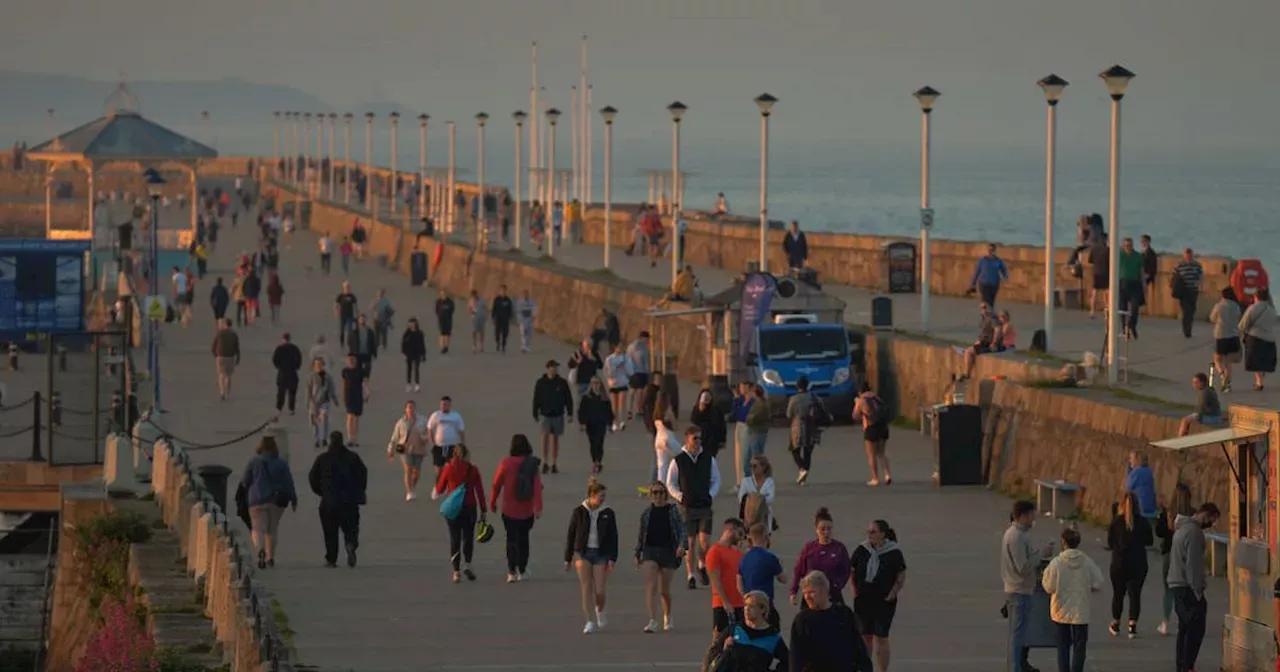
{"x": 722, "y": 562}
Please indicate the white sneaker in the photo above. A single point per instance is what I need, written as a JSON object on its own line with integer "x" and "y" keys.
{"x": 1163, "y": 628}
{"x": 417, "y": 387}
{"x": 525, "y": 575}
{"x": 409, "y": 497}
{"x": 511, "y": 578}
{"x": 667, "y": 623}
{"x": 589, "y": 628}
{"x": 601, "y": 619}
{"x": 622, "y": 425}
{"x": 651, "y": 627}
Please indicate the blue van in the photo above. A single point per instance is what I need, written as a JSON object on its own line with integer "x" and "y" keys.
{"x": 821, "y": 352}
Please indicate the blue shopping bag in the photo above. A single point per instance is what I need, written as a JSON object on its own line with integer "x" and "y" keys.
{"x": 452, "y": 504}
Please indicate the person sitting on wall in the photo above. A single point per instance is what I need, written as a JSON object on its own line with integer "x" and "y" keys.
{"x": 682, "y": 288}
{"x": 1208, "y": 408}
{"x": 986, "y": 341}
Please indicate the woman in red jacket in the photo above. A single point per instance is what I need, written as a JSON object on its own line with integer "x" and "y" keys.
{"x": 518, "y": 483}
{"x": 459, "y": 472}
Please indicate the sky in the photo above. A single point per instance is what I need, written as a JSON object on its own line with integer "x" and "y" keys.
{"x": 843, "y": 70}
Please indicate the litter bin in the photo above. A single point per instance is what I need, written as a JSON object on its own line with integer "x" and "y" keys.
{"x": 898, "y": 268}
{"x": 215, "y": 477}
{"x": 418, "y": 268}
{"x": 957, "y": 445}
{"x": 882, "y": 313}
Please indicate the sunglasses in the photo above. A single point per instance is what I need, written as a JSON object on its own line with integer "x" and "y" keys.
{"x": 757, "y": 465}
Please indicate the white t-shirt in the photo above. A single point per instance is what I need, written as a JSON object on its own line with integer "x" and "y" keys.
{"x": 666, "y": 445}
{"x": 180, "y": 283}
{"x": 446, "y": 428}
{"x": 325, "y": 244}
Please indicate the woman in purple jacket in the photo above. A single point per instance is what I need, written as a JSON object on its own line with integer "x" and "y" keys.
{"x": 823, "y": 554}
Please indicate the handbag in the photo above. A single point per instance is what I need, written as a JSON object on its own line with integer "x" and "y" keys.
{"x": 452, "y": 504}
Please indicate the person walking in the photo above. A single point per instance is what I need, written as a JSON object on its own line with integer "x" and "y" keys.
{"x": 552, "y": 401}
{"x": 606, "y": 329}
{"x": 742, "y": 399}
{"x": 823, "y": 553}
{"x": 478, "y": 311}
{"x": 1180, "y": 506}
{"x": 275, "y": 295}
{"x": 824, "y": 635}
{"x": 1258, "y": 327}
{"x": 322, "y": 394}
{"x": 445, "y": 429}
{"x": 382, "y": 314}
{"x": 344, "y": 308}
{"x": 320, "y": 350}
{"x": 1140, "y": 480}
{"x": 237, "y": 295}
{"x": 269, "y": 488}
{"x": 219, "y": 299}
{"x": 409, "y": 440}
{"x": 584, "y": 364}
{"x": 755, "y": 643}
{"x": 413, "y": 345}
{"x": 693, "y": 479}
{"x": 362, "y": 343}
{"x": 355, "y": 392}
{"x": 804, "y": 434}
{"x": 526, "y": 309}
{"x": 592, "y": 549}
{"x": 723, "y": 559}
{"x": 871, "y": 411}
{"x": 638, "y": 353}
{"x": 502, "y": 310}
{"x": 1019, "y": 561}
{"x": 879, "y": 573}
{"x": 755, "y": 497}
{"x": 617, "y": 371}
{"x": 1071, "y": 579}
{"x": 595, "y": 416}
{"x": 226, "y": 356}
{"x": 518, "y": 485}
{"x": 988, "y": 273}
{"x": 711, "y": 422}
{"x": 759, "y": 418}
{"x": 252, "y": 291}
{"x": 444, "y": 320}
{"x": 660, "y": 546}
{"x": 1130, "y": 286}
{"x": 1184, "y": 285}
{"x": 345, "y": 250}
{"x": 326, "y": 253}
{"x": 1187, "y": 582}
{"x": 796, "y": 247}
{"x": 339, "y": 478}
{"x": 287, "y": 360}
{"x": 1225, "y": 317}
{"x": 666, "y": 445}
{"x": 459, "y": 472}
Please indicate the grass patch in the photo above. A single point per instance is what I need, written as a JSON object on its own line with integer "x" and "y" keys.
{"x": 281, "y": 620}
{"x": 1130, "y": 395}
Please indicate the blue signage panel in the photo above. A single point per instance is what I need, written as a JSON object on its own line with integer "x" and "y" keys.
{"x": 757, "y": 296}
{"x": 42, "y": 288}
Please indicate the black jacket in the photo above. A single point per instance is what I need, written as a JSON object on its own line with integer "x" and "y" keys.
{"x": 1164, "y": 532}
{"x": 413, "y": 345}
{"x": 353, "y": 340}
{"x": 552, "y": 398}
{"x": 754, "y": 650}
{"x": 502, "y": 309}
{"x": 797, "y": 249}
{"x": 712, "y": 423}
{"x": 252, "y": 286}
{"x": 607, "y": 325}
{"x": 587, "y": 365}
{"x": 287, "y": 359}
{"x": 339, "y": 478}
{"x": 219, "y": 298}
{"x": 679, "y": 539}
{"x": 595, "y": 412}
{"x": 828, "y": 641}
{"x": 1129, "y": 547}
{"x": 580, "y": 527}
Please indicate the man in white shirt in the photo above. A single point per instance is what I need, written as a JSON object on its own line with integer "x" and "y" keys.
{"x": 445, "y": 429}
{"x": 409, "y": 440}
{"x": 326, "y": 253}
{"x": 693, "y": 480}
{"x": 182, "y": 294}
{"x": 666, "y": 445}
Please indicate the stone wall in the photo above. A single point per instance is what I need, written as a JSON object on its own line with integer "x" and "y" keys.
{"x": 22, "y": 601}
{"x": 856, "y": 260}
{"x": 68, "y": 635}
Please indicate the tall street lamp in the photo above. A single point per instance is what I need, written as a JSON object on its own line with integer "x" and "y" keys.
{"x": 1052, "y": 86}
{"x": 275, "y": 137}
{"x": 155, "y": 188}
{"x": 1117, "y": 80}
{"x": 368, "y": 161}
{"x": 926, "y": 96}
{"x": 765, "y": 102}
{"x": 346, "y": 157}
{"x": 677, "y": 110}
{"x": 293, "y": 151}
{"x": 518, "y": 116}
{"x": 333, "y": 170}
{"x": 450, "y": 200}
{"x": 306, "y": 151}
{"x": 422, "y": 164}
{"x": 609, "y": 114}
{"x": 552, "y": 116}
{"x": 482, "y": 222}
{"x": 395, "y": 174}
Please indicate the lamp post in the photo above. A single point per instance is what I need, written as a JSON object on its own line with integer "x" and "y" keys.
{"x": 346, "y": 157}
{"x": 333, "y": 170}
{"x": 395, "y": 174}
{"x": 518, "y": 116}
{"x": 1052, "y": 87}
{"x": 1117, "y": 80}
{"x": 552, "y": 115}
{"x": 926, "y": 97}
{"x": 206, "y": 128}
{"x": 677, "y": 110}
{"x": 765, "y": 102}
{"x": 575, "y": 135}
{"x": 275, "y": 137}
{"x": 422, "y": 164}
{"x": 306, "y": 152}
{"x": 293, "y": 153}
{"x": 155, "y": 188}
{"x": 482, "y": 221}
{"x": 609, "y": 114}
{"x": 368, "y": 161}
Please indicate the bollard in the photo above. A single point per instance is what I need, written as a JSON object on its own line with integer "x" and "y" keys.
{"x": 13, "y": 356}
{"x": 62, "y": 358}
{"x": 55, "y": 412}
{"x": 215, "y": 477}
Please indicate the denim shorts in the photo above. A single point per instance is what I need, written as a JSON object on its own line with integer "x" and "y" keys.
{"x": 593, "y": 556}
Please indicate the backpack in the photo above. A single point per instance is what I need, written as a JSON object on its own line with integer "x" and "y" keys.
{"x": 874, "y": 408}
{"x": 525, "y": 474}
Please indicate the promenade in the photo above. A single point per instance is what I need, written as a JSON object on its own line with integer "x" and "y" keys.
{"x": 398, "y": 610}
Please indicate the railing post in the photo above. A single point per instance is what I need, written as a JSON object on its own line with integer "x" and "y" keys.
{"x": 35, "y": 429}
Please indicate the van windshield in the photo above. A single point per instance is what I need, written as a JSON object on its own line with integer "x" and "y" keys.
{"x": 815, "y": 343}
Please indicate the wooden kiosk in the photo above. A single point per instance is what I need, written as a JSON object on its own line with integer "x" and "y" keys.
{"x": 1251, "y": 446}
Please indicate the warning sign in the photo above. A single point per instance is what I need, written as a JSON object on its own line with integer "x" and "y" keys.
{"x": 154, "y": 308}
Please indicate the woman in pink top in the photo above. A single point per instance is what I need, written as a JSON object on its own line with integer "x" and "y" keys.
{"x": 345, "y": 250}
{"x": 824, "y": 554}
{"x": 1006, "y": 335}
{"x": 519, "y": 485}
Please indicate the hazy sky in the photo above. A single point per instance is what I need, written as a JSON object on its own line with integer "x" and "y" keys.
{"x": 843, "y": 69}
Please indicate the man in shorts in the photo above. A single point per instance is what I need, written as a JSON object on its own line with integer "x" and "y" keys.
{"x": 446, "y": 429}
{"x": 552, "y": 403}
{"x": 638, "y": 353}
{"x": 226, "y": 355}
{"x": 693, "y": 479}
{"x": 409, "y": 441}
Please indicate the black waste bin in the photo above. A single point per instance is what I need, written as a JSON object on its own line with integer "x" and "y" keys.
{"x": 882, "y": 313}
{"x": 418, "y": 268}
{"x": 215, "y": 477}
{"x": 957, "y": 445}
{"x": 898, "y": 268}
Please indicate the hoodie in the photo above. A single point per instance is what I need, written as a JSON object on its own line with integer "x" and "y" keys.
{"x": 1186, "y": 559}
{"x": 1071, "y": 579}
{"x": 1018, "y": 560}
{"x": 754, "y": 649}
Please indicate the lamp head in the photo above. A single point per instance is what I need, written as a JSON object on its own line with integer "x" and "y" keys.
{"x": 306, "y": 115}
{"x": 927, "y": 96}
{"x": 276, "y": 114}
{"x": 677, "y": 110}
{"x": 552, "y": 116}
{"x": 608, "y": 113}
{"x": 765, "y": 102}
{"x": 204, "y": 114}
{"x": 333, "y": 115}
{"x": 1117, "y": 80}
{"x": 155, "y": 182}
{"x": 519, "y": 116}
{"x": 481, "y": 118}
{"x": 395, "y": 116}
{"x": 348, "y": 117}
{"x": 1052, "y": 87}
{"x": 422, "y": 118}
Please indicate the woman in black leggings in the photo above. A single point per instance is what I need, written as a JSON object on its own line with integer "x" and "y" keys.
{"x": 1128, "y": 538}
{"x": 459, "y": 472}
{"x": 413, "y": 345}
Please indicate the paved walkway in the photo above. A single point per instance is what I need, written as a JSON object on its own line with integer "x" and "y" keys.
{"x": 398, "y": 609}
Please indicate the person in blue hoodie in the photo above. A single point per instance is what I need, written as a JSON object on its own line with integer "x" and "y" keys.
{"x": 987, "y": 276}
{"x": 268, "y": 485}
{"x": 752, "y": 646}
{"x": 1142, "y": 482}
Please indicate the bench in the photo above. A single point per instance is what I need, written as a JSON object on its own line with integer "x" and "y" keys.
{"x": 1217, "y": 553}
{"x": 1061, "y": 496}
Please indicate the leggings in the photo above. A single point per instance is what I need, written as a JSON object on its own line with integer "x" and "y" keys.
{"x": 595, "y": 443}
{"x": 462, "y": 537}
{"x": 412, "y": 369}
{"x": 501, "y": 329}
{"x": 803, "y": 456}
{"x": 1127, "y": 580}
{"x": 517, "y": 543}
